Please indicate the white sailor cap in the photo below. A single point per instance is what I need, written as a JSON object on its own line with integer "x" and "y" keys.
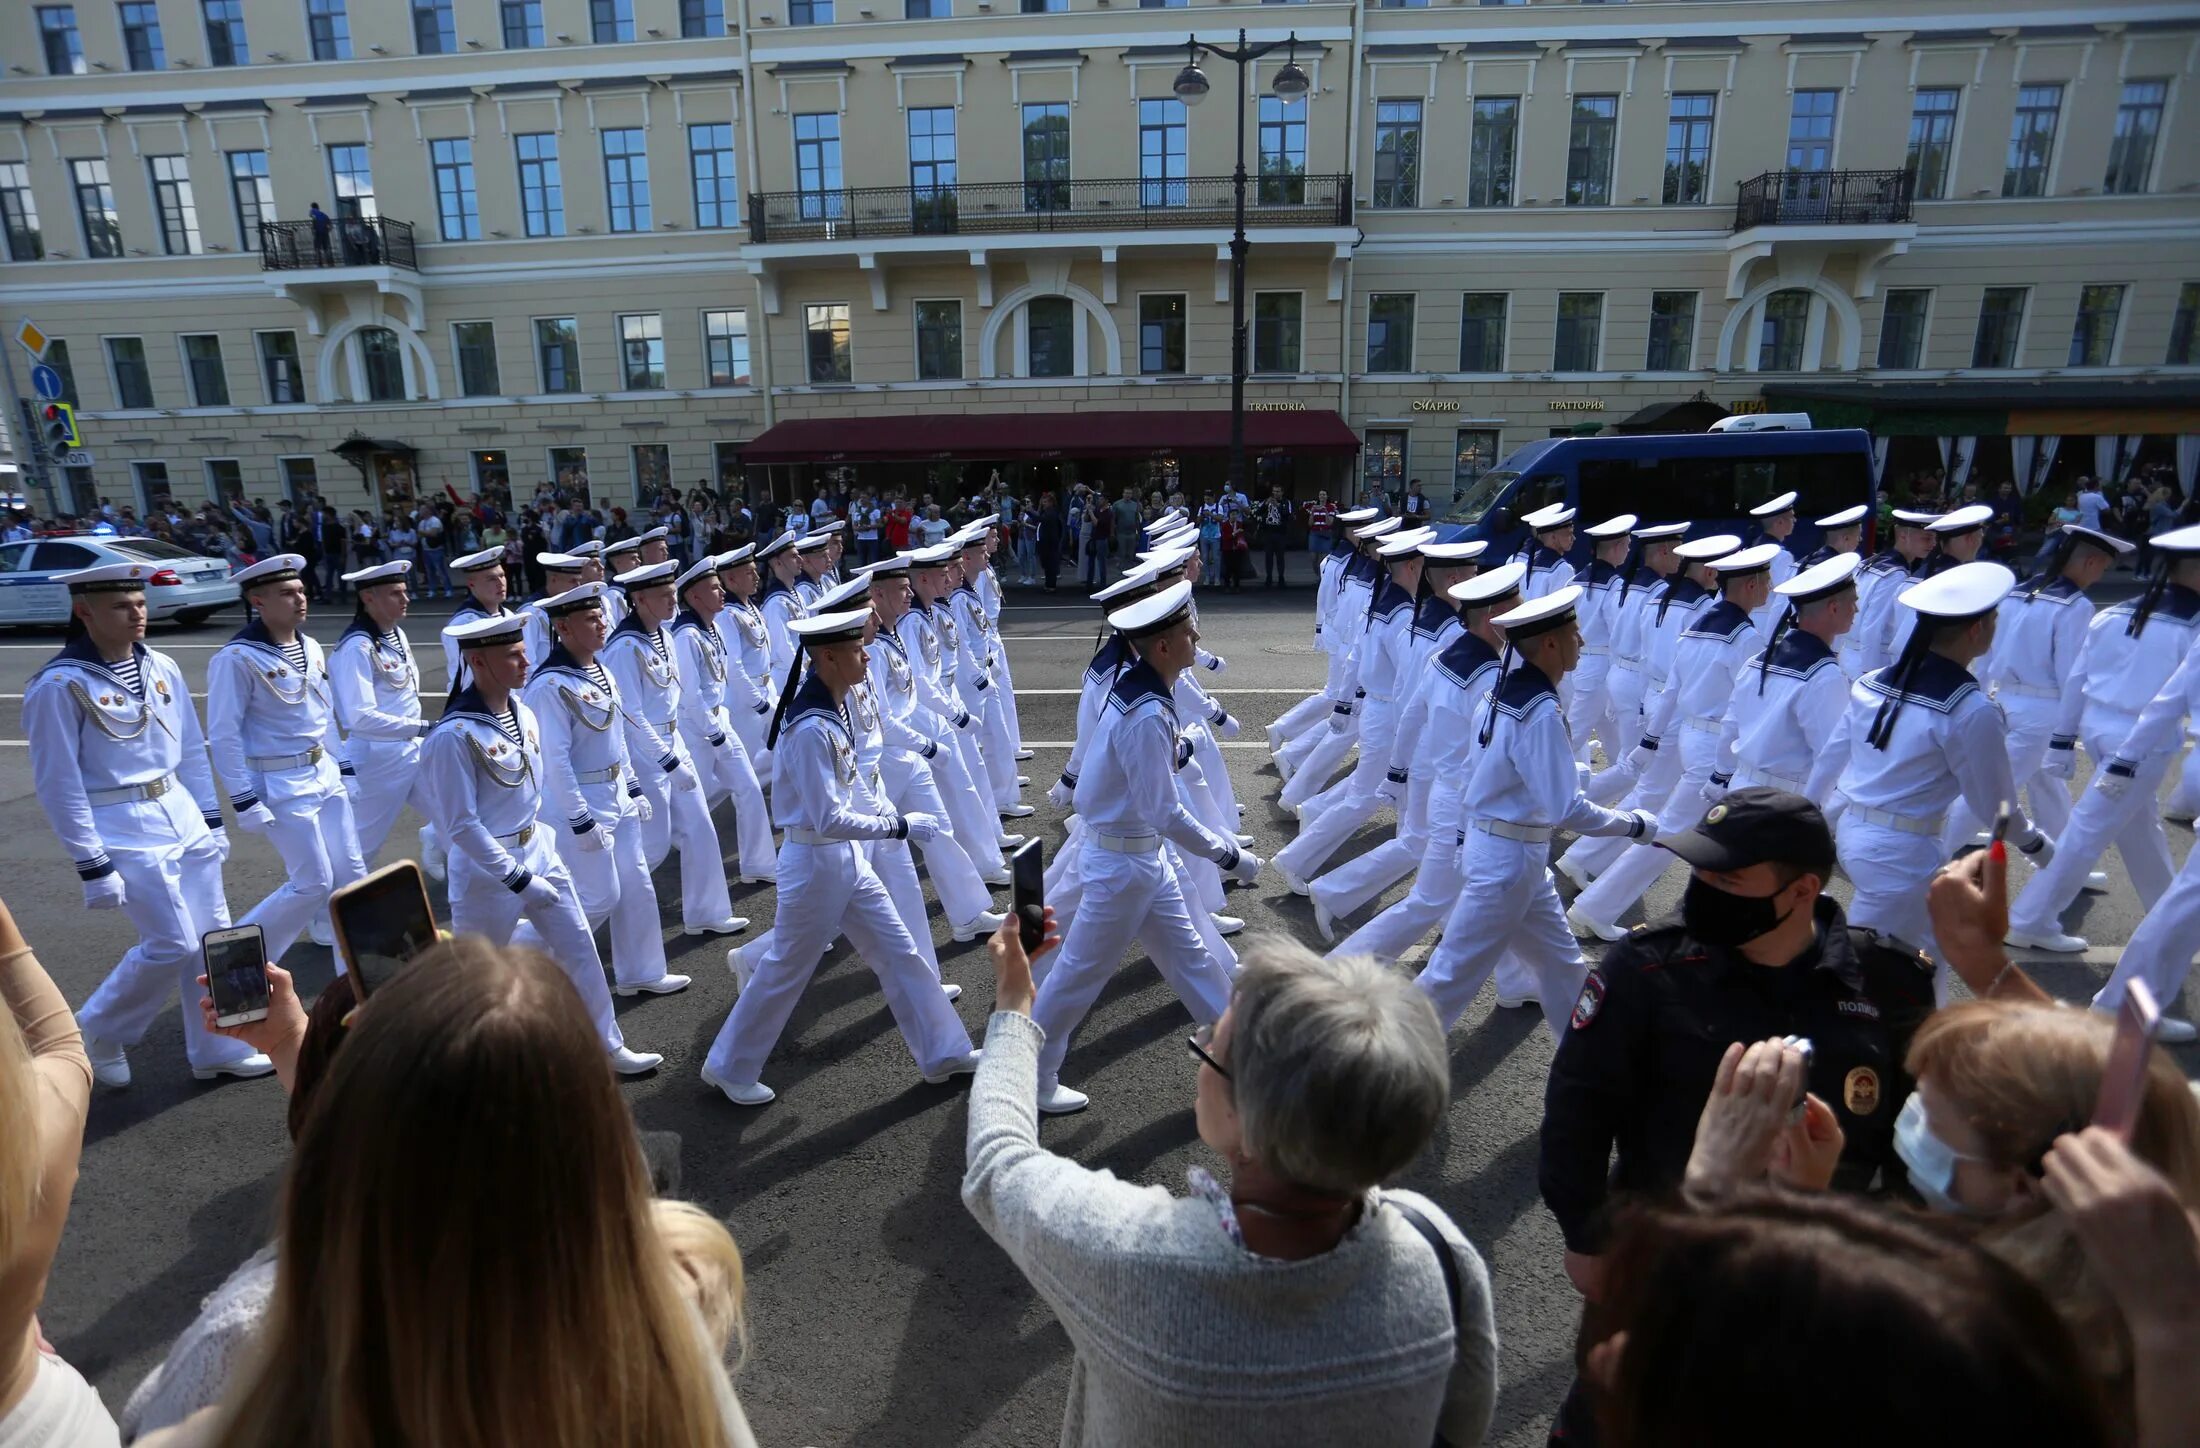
{"x": 1171, "y": 514}
{"x": 1965, "y": 591}
{"x": 820, "y": 629}
{"x": 812, "y": 542}
{"x": 2177, "y": 540}
{"x": 773, "y": 547}
{"x": 560, "y": 562}
{"x": 1547, "y": 519}
{"x": 1485, "y": 589}
{"x": 1150, "y": 616}
{"x": 1177, "y": 534}
{"x": 1401, "y": 546}
{"x": 388, "y": 572}
{"x": 1136, "y": 581}
{"x": 2106, "y": 542}
{"x": 845, "y": 595}
{"x": 648, "y": 575}
{"x": 108, "y": 578}
{"x": 1913, "y": 518}
{"x": 1166, "y": 560}
{"x": 1846, "y": 518}
{"x": 894, "y": 568}
{"x": 971, "y": 537}
{"x": 1774, "y": 507}
{"x": 1613, "y": 527}
{"x": 279, "y": 569}
{"x": 593, "y": 548}
{"x": 1962, "y": 520}
{"x": 734, "y": 557}
{"x": 1455, "y": 555}
{"x": 573, "y": 600}
{"x": 1745, "y": 561}
{"x": 486, "y": 559}
{"x": 826, "y": 529}
{"x": 937, "y": 556}
{"x": 1659, "y": 532}
{"x": 1820, "y": 580}
{"x": 623, "y": 546}
{"x": 1378, "y": 528}
{"x": 1540, "y": 615}
{"x": 487, "y": 633}
{"x": 1354, "y": 516}
{"x": 700, "y": 569}
{"x": 990, "y": 520}
{"x": 654, "y": 535}
{"x": 1703, "y": 550}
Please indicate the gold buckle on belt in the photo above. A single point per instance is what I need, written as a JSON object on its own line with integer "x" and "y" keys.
{"x": 313, "y": 755}
{"x": 525, "y": 833}
{"x": 157, "y": 788}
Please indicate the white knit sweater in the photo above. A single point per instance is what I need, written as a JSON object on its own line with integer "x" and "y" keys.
{"x": 1184, "y": 1338}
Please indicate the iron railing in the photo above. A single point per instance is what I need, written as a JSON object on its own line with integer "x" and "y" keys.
{"x": 1826, "y": 198}
{"x": 346, "y": 241}
{"x": 994, "y": 207}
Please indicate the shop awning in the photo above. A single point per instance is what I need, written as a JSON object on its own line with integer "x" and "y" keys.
{"x": 1689, "y": 414}
{"x": 1993, "y": 407}
{"x": 1043, "y": 436}
{"x": 359, "y": 445}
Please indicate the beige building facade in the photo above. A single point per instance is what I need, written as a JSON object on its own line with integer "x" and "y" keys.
{"x": 659, "y": 240}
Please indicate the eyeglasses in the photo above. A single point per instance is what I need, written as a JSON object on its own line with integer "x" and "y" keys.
{"x": 1198, "y": 1042}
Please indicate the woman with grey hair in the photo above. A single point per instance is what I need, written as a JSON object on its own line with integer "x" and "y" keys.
{"x": 1300, "y": 1303}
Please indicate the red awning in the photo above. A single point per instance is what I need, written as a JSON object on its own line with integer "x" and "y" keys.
{"x": 1040, "y": 436}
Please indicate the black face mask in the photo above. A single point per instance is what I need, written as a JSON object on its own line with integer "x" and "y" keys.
{"x": 1720, "y": 917}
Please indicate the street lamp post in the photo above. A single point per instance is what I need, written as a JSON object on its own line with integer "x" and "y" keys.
{"x": 1191, "y": 88}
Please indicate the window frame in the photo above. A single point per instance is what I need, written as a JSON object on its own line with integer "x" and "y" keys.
{"x": 2115, "y": 177}
{"x": 843, "y": 350}
{"x": 524, "y": 19}
{"x": 1072, "y": 329}
{"x": 1288, "y": 186}
{"x": 439, "y": 14}
{"x": 1412, "y": 327}
{"x": 1046, "y": 191}
{"x": 747, "y": 376}
{"x": 726, "y": 186}
{"x": 616, "y": 16}
{"x": 2016, "y": 334}
{"x": 542, "y": 367}
{"x": 1923, "y": 323}
{"x": 1298, "y": 337}
{"x": 1672, "y": 187}
{"x": 464, "y": 192}
{"x": 1183, "y": 334}
{"x": 1558, "y": 334}
{"x": 328, "y": 30}
{"x": 1405, "y": 163}
{"x": 263, "y": 197}
{"x": 2184, "y": 327}
{"x": 2013, "y": 177}
{"x": 103, "y": 190}
{"x": 548, "y": 184}
{"x": 235, "y": 42}
{"x": 696, "y": 17}
{"x": 191, "y": 386}
{"x": 70, "y": 57}
{"x": 829, "y": 197}
{"x": 917, "y": 331}
{"x": 19, "y": 214}
{"x": 1504, "y": 333}
{"x": 1580, "y": 188}
{"x": 1480, "y": 196}
{"x": 367, "y": 366}
{"x": 139, "y": 38}
{"x": 267, "y": 365}
{"x": 115, "y": 372}
{"x": 1923, "y": 186}
{"x": 1171, "y": 184}
{"x": 1774, "y": 336}
{"x": 1687, "y": 363}
{"x": 639, "y": 211}
{"x": 459, "y": 351}
{"x": 2080, "y": 334}
{"x": 653, "y": 352}
{"x": 359, "y": 203}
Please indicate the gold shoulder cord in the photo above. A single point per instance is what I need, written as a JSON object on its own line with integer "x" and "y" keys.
{"x": 502, "y": 774}
{"x": 579, "y": 710}
{"x": 105, "y": 724}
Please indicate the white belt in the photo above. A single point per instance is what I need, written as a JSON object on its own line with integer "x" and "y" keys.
{"x": 1380, "y": 698}
{"x": 1506, "y": 830}
{"x": 518, "y": 837}
{"x": 1591, "y": 651}
{"x": 1657, "y": 680}
{"x": 1631, "y": 665}
{"x": 1750, "y": 774}
{"x": 268, "y": 763}
{"x": 1125, "y": 844}
{"x": 604, "y": 775}
{"x": 2028, "y": 691}
{"x": 1907, "y": 824}
{"x": 131, "y": 793}
{"x": 1701, "y": 725}
{"x": 796, "y": 836}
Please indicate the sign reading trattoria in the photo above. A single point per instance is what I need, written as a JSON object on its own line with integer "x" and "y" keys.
{"x": 1576, "y": 404}
{"x": 1275, "y": 407}
{"x": 1434, "y": 404}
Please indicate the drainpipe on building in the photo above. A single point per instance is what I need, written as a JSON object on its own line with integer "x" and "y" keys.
{"x": 760, "y": 350}
{"x": 1352, "y": 161}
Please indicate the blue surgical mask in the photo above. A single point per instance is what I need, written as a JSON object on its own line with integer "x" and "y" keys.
{"x": 1931, "y": 1161}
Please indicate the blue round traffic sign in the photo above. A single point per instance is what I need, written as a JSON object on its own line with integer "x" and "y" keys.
{"x": 46, "y": 382}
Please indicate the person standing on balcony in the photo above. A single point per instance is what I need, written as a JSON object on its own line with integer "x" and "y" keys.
{"x": 321, "y": 228}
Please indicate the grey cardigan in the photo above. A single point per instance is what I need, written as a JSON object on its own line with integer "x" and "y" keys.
{"x": 1185, "y": 1338}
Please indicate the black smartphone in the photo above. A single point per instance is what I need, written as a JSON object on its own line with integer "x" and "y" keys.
{"x": 1028, "y": 869}
{"x": 381, "y": 922}
{"x": 236, "y": 974}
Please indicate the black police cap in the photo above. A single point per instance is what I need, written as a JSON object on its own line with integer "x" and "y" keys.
{"x": 1753, "y": 826}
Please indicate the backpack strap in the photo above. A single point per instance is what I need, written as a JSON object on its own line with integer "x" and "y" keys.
{"x": 1445, "y": 1262}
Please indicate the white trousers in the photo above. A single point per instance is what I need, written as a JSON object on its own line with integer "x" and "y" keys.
{"x": 679, "y": 817}
{"x": 1317, "y": 754}
{"x": 1065, "y": 889}
{"x": 314, "y": 838}
{"x": 727, "y": 774}
{"x": 2184, "y": 797}
{"x": 912, "y": 788}
{"x": 173, "y": 896}
{"x": 615, "y": 887}
{"x": 2160, "y": 950}
{"x": 1436, "y": 887}
{"x": 1595, "y": 852}
{"x": 1299, "y": 718}
{"x": 996, "y": 744}
{"x": 379, "y": 793}
{"x": 1005, "y": 685}
{"x": 2047, "y": 799}
{"x": 826, "y": 891}
{"x": 896, "y": 869}
{"x": 1890, "y": 869}
{"x": 1126, "y": 898}
{"x": 751, "y": 727}
{"x": 481, "y": 904}
{"x": 969, "y": 808}
{"x": 1628, "y": 878}
{"x": 1378, "y": 730}
{"x": 2130, "y": 822}
{"x": 1507, "y": 904}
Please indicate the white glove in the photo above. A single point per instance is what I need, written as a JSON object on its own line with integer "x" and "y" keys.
{"x": 1393, "y": 787}
{"x": 1061, "y": 794}
{"x": 2041, "y": 851}
{"x": 1646, "y": 825}
{"x": 1715, "y": 788}
{"x": 922, "y": 828}
{"x": 965, "y": 721}
{"x": 1638, "y": 758}
{"x": 104, "y": 893}
{"x": 1227, "y": 726}
{"x": 1245, "y": 869}
{"x": 593, "y": 841}
{"x": 254, "y": 821}
{"x": 220, "y": 837}
{"x": 684, "y": 780}
{"x": 1217, "y": 663}
{"x": 2111, "y": 781}
{"x": 643, "y": 809}
{"x": 1340, "y": 719}
{"x": 539, "y": 894}
{"x": 2060, "y": 763}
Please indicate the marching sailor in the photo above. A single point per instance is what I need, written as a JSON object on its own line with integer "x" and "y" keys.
{"x": 779, "y": 602}
{"x": 1775, "y": 524}
{"x": 988, "y": 584}
{"x": 1320, "y": 752}
{"x": 1589, "y": 705}
{"x": 1788, "y": 702}
{"x": 1314, "y": 708}
{"x": 1551, "y": 538}
{"x": 929, "y": 638}
{"x": 1838, "y": 533}
{"x": 812, "y": 556}
{"x": 1881, "y": 580}
{"x": 749, "y": 690}
{"x": 967, "y": 625}
{"x": 375, "y": 682}
{"x": 561, "y": 572}
{"x": 624, "y": 556}
{"x": 1633, "y": 604}
{"x": 482, "y": 576}
{"x": 706, "y": 667}
{"x": 1957, "y": 537}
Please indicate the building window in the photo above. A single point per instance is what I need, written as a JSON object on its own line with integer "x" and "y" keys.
{"x": 2000, "y": 319}
{"x": 1482, "y": 332}
{"x": 642, "y": 351}
{"x": 710, "y": 162}
{"x": 726, "y": 347}
{"x": 2093, "y": 338}
{"x": 156, "y": 494}
{"x": 1049, "y": 338}
{"x": 301, "y": 479}
{"x": 817, "y": 164}
{"x": 1493, "y": 151}
{"x": 1780, "y": 337}
{"x": 1589, "y": 151}
{"x": 1397, "y": 154}
{"x": 225, "y": 481}
{"x": 702, "y": 19}
{"x": 382, "y": 360}
{"x": 1046, "y": 157}
{"x": 558, "y": 348}
{"x": 1810, "y": 130}
{"x": 1282, "y": 151}
{"x": 328, "y": 29}
{"x": 225, "y": 41}
{"x": 541, "y": 193}
{"x": 202, "y": 364}
{"x": 1383, "y": 464}
{"x": 279, "y": 369}
{"x": 809, "y": 12}
{"x": 932, "y": 168}
{"x": 1672, "y": 332}
{"x": 352, "y": 180}
{"x": 1277, "y": 331}
{"x": 1164, "y": 153}
{"x": 652, "y": 469}
{"x": 435, "y": 31}
{"x": 133, "y": 379}
{"x": 939, "y": 340}
{"x": 1390, "y": 332}
{"x": 925, "y": 10}
{"x": 141, "y": 44}
{"x": 1044, "y": 7}
{"x": 1161, "y": 334}
{"x": 2184, "y": 328}
{"x": 2032, "y": 140}
{"x": 19, "y": 213}
{"x": 825, "y": 342}
{"x": 1473, "y": 454}
{"x": 1580, "y": 332}
{"x": 64, "y": 47}
{"x": 610, "y": 21}
{"x": 455, "y": 208}
{"x": 57, "y": 357}
{"x": 1688, "y": 149}
{"x": 95, "y": 208}
{"x": 2131, "y": 150}
{"x": 1902, "y": 329}
{"x": 522, "y": 24}
{"x": 476, "y": 346}
{"x": 626, "y": 178}
{"x": 252, "y": 194}
{"x": 1932, "y": 141}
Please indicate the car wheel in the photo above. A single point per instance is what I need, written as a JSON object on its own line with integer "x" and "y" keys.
{"x": 193, "y": 617}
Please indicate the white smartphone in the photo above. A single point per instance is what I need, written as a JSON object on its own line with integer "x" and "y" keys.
{"x": 236, "y": 974}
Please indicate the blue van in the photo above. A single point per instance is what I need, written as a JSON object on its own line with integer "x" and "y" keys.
{"x": 1708, "y": 479}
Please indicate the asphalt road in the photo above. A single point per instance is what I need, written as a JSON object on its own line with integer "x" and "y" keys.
{"x": 880, "y": 1314}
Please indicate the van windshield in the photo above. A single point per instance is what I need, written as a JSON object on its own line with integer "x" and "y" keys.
{"x": 1478, "y": 498}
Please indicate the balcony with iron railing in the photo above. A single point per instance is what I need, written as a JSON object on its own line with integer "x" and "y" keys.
{"x": 1826, "y": 198}
{"x": 345, "y": 242}
{"x": 998, "y": 208}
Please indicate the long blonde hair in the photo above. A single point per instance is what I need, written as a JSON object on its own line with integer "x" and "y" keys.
{"x": 22, "y": 1163}
{"x": 470, "y": 1257}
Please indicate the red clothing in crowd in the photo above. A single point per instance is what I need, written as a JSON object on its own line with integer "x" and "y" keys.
{"x": 1319, "y": 517}
{"x": 897, "y": 528}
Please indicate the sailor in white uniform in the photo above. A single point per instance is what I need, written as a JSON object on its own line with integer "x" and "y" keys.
{"x": 1589, "y": 697}
{"x": 1790, "y": 699}
{"x": 1320, "y": 752}
{"x": 750, "y": 693}
{"x": 812, "y": 556}
{"x": 654, "y": 545}
{"x": 375, "y": 682}
{"x": 934, "y": 647}
{"x": 827, "y": 884}
{"x": 707, "y": 690}
{"x": 1314, "y": 708}
{"x": 1550, "y": 539}
{"x": 988, "y": 584}
{"x": 1957, "y": 538}
{"x": 1839, "y": 533}
{"x": 780, "y": 604}
{"x": 484, "y": 768}
{"x": 623, "y": 556}
{"x": 640, "y": 657}
{"x": 482, "y": 577}
{"x": 271, "y": 727}
{"x": 561, "y": 572}
{"x": 1632, "y": 606}
{"x": 1775, "y": 524}
{"x": 120, "y": 767}
{"x": 1369, "y": 717}
{"x": 972, "y": 629}
{"x": 939, "y": 713}
{"x": 1879, "y": 619}
{"x": 592, "y": 803}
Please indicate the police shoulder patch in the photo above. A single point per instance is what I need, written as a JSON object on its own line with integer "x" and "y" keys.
{"x": 1591, "y": 1001}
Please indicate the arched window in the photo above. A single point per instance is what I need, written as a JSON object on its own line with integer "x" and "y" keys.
{"x": 1786, "y": 323}
{"x": 382, "y": 357}
{"x": 1050, "y": 336}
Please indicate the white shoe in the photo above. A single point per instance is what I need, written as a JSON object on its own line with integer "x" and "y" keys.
{"x": 1061, "y": 1101}
{"x": 634, "y": 1063}
{"x": 1245, "y": 842}
{"x": 985, "y": 922}
{"x": 1298, "y": 886}
{"x": 320, "y": 932}
{"x": 1022, "y": 755}
{"x": 431, "y": 858}
{"x": 2177, "y": 816}
{"x": 962, "y": 1065}
{"x": 1014, "y": 811}
{"x": 1275, "y": 740}
{"x": 755, "y": 880}
{"x": 1584, "y": 927}
{"x": 737, "y": 961}
{"x": 110, "y": 1066}
{"x": 1023, "y": 781}
{"x": 951, "y": 990}
{"x": 2096, "y": 882}
{"x": 662, "y": 985}
{"x": 1008, "y": 841}
{"x": 1241, "y": 811}
{"x": 754, "y": 1093}
{"x": 1002, "y": 876}
{"x": 731, "y": 925}
{"x": 1572, "y": 870}
{"x": 1284, "y": 768}
{"x": 1228, "y": 925}
{"x": 2053, "y": 941}
{"x": 244, "y": 1068}
{"x": 2174, "y": 1032}
{"x": 1325, "y": 922}
{"x": 1513, "y": 1003}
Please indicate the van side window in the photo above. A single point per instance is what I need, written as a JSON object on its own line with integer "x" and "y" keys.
{"x": 1540, "y": 491}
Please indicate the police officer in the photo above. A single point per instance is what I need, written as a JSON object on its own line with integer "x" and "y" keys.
{"x": 375, "y": 682}
{"x": 707, "y": 693}
{"x": 482, "y": 575}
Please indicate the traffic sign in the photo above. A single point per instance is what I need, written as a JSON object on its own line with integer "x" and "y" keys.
{"x": 46, "y": 382}
{"x": 78, "y": 459}
{"x": 33, "y": 340}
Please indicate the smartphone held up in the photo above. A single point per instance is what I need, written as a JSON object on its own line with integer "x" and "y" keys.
{"x": 381, "y": 922}
{"x": 236, "y": 974}
{"x": 1028, "y": 879}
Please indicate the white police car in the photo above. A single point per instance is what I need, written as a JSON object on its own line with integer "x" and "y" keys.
{"x": 184, "y": 586}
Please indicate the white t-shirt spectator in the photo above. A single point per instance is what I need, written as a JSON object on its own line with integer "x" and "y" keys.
{"x": 931, "y": 531}
{"x": 867, "y": 517}
{"x": 2092, "y": 503}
